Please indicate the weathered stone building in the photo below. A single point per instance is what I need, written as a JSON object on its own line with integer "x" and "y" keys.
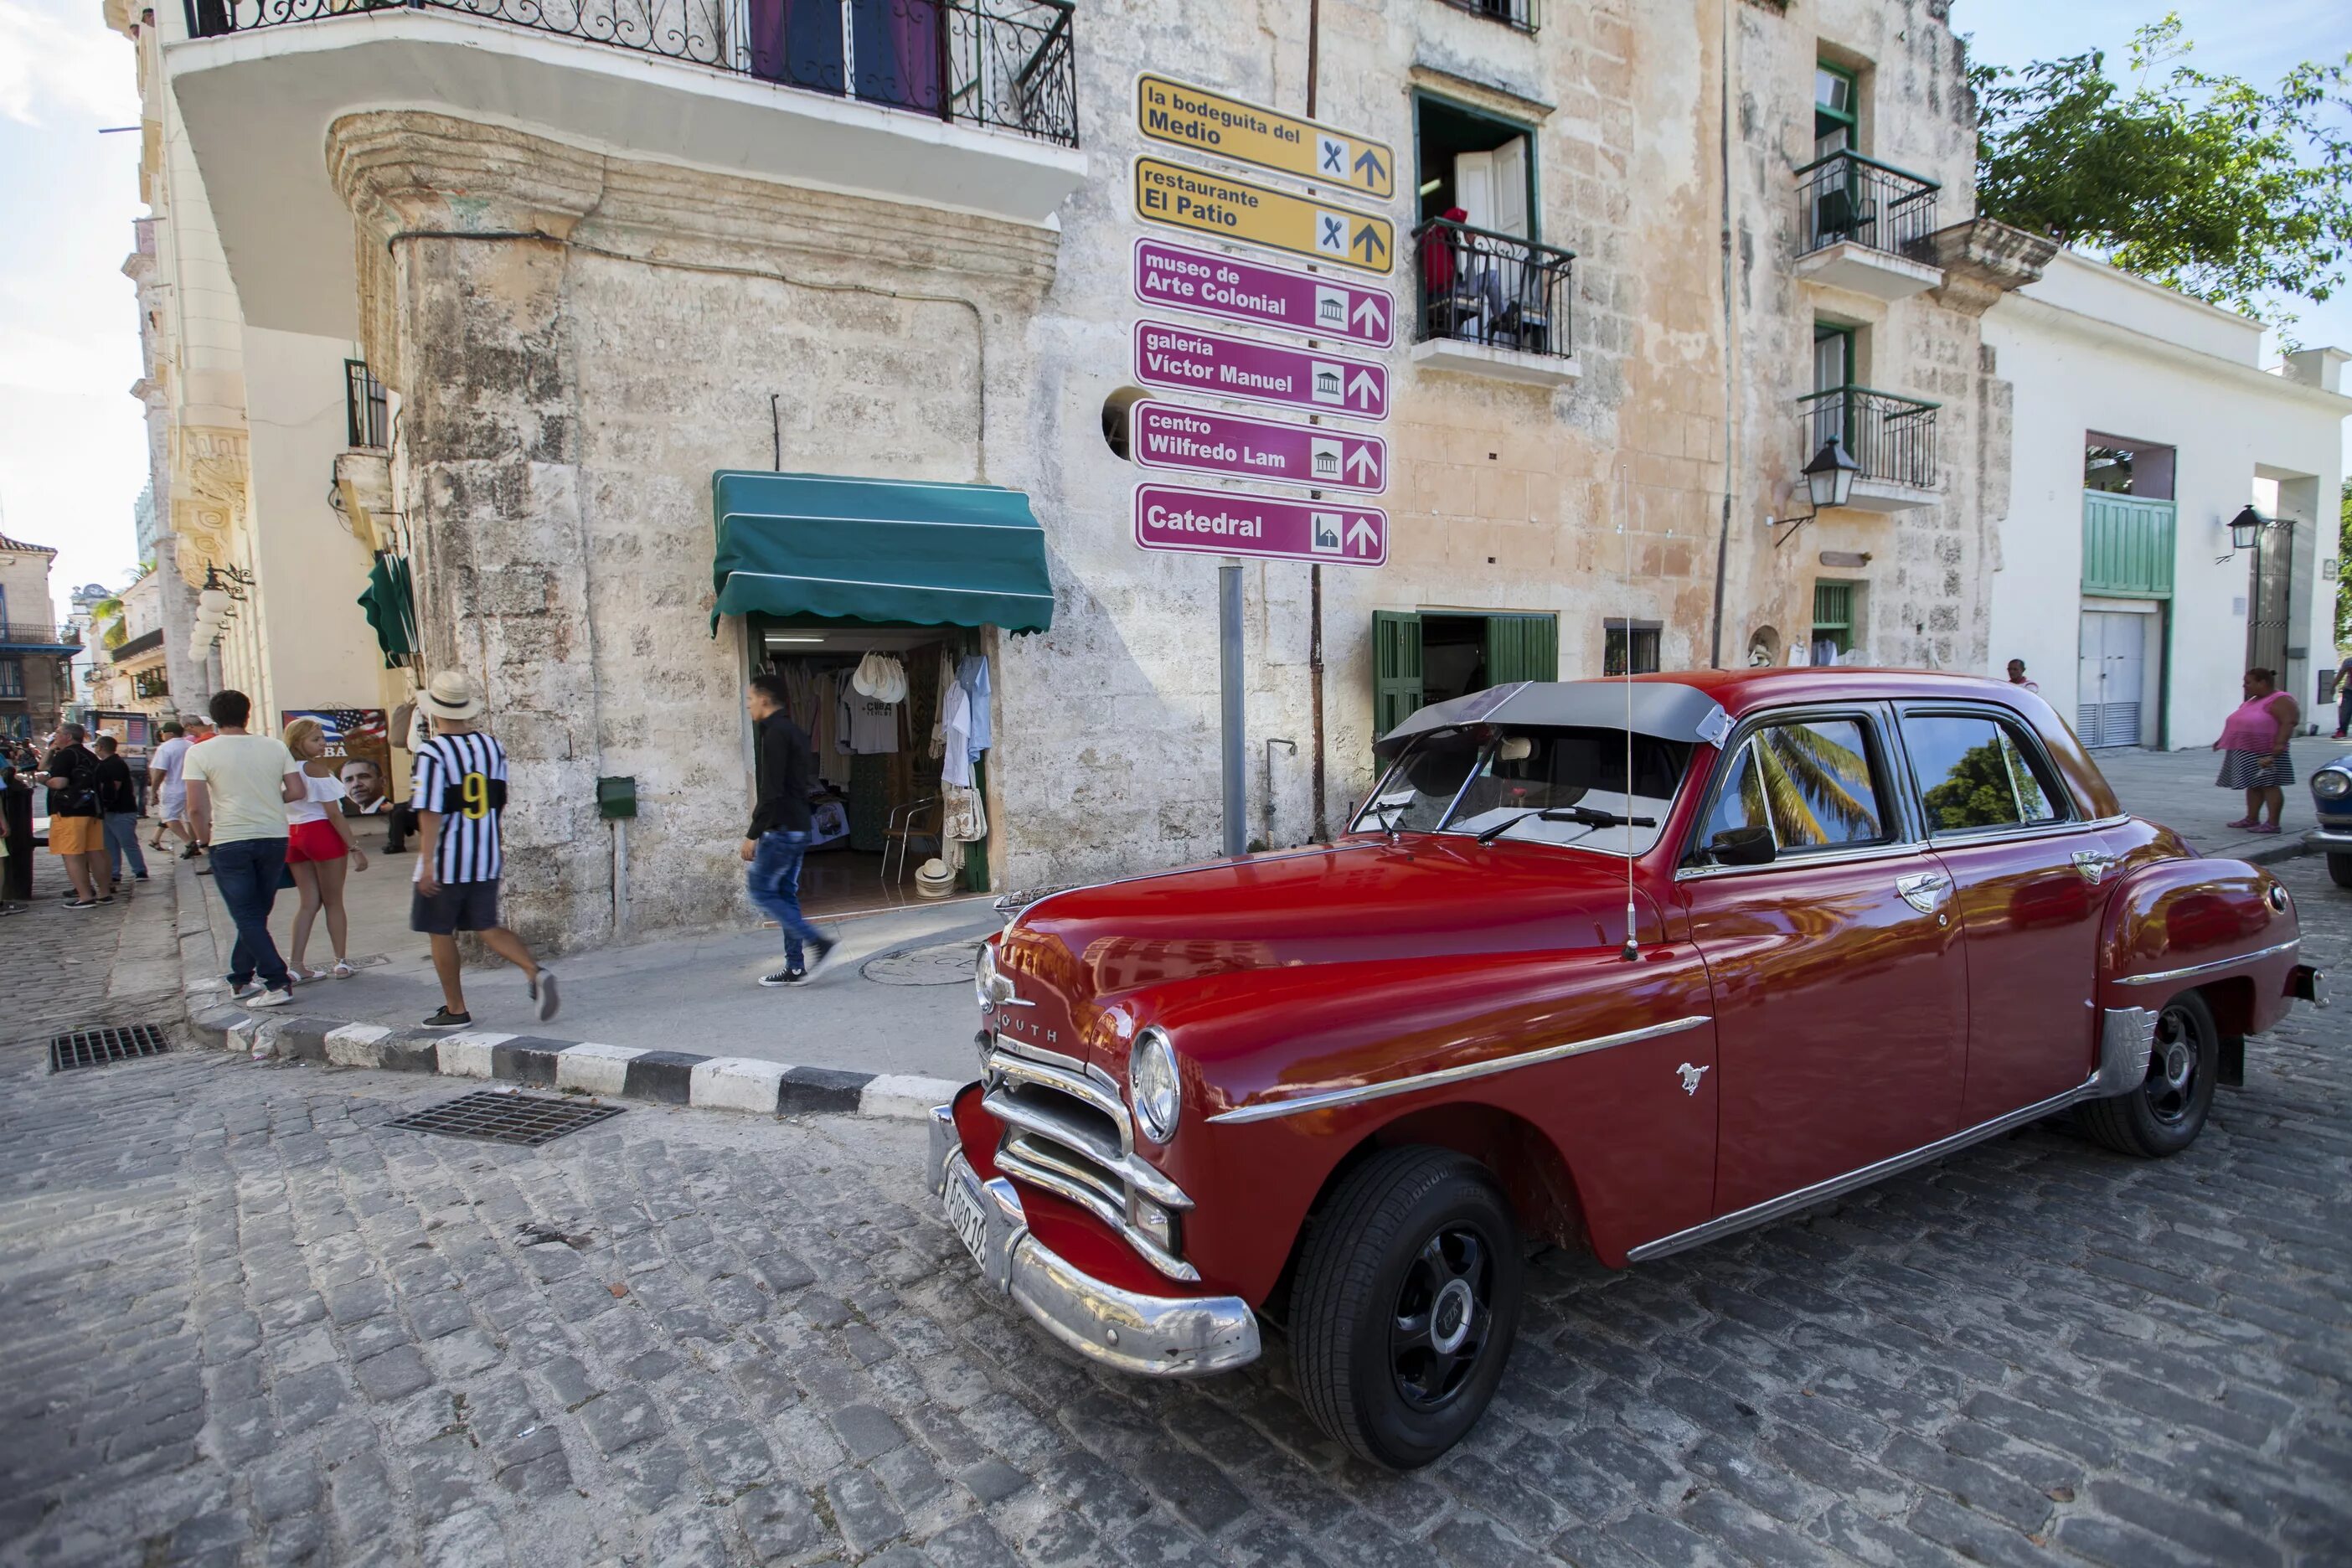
{"x": 37, "y": 649}
{"x": 599, "y": 259}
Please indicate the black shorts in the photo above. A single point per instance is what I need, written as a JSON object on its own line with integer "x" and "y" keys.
{"x": 459, "y": 905}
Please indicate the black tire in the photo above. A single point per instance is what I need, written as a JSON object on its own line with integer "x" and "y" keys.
{"x": 1415, "y": 1249}
{"x": 2166, "y": 1112}
{"x": 2339, "y": 871}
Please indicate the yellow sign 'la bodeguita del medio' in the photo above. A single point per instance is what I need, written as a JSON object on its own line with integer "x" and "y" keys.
{"x": 1199, "y": 201}
{"x": 1178, "y": 114}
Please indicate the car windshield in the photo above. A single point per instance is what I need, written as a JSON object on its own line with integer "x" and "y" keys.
{"x": 1512, "y": 776}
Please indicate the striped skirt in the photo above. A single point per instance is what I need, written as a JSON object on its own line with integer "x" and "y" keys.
{"x": 2250, "y": 770}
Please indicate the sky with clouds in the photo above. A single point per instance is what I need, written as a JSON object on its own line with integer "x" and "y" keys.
{"x": 72, "y": 444}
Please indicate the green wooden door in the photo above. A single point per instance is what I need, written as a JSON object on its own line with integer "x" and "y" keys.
{"x": 1522, "y": 648}
{"x": 1396, "y": 668}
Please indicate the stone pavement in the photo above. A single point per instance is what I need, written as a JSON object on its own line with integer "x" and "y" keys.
{"x": 2177, "y": 789}
{"x": 249, "y": 1322}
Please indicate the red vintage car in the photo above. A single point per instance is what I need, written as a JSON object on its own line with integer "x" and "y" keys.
{"x": 1622, "y": 966}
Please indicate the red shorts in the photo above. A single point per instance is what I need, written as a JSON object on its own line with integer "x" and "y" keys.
{"x": 313, "y": 841}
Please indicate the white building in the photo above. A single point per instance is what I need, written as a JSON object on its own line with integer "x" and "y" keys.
{"x": 2144, "y": 424}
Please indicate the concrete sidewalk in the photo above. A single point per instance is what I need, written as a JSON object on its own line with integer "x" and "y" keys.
{"x": 2177, "y": 789}
{"x": 896, "y": 1000}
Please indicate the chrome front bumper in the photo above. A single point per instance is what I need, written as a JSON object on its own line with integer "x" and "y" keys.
{"x": 1154, "y": 1336}
{"x": 2325, "y": 839}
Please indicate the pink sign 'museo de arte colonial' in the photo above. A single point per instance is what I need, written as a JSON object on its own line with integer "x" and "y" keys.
{"x": 1217, "y": 365}
{"x": 1181, "y": 278}
{"x": 1166, "y": 435}
{"x": 1227, "y": 522}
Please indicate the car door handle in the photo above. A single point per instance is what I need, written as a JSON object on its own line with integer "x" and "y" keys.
{"x": 1923, "y": 890}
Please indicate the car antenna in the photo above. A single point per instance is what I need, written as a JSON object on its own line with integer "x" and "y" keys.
{"x": 1625, "y": 596}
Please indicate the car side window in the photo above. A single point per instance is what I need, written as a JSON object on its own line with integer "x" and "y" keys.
{"x": 1810, "y": 780}
{"x": 1977, "y": 773}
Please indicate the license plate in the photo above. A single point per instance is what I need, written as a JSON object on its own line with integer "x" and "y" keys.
{"x": 970, "y": 1224}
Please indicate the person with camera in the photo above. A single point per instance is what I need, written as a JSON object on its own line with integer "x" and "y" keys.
{"x": 77, "y": 824}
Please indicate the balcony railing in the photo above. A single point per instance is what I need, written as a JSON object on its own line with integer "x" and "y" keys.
{"x": 1519, "y": 14}
{"x": 37, "y": 634}
{"x": 1493, "y": 289}
{"x": 1894, "y": 438}
{"x": 134, "y": 647}
{"x": 1007, "y": 65}
{"x": 1846, "y": 196}
{"x": 366, "y": 421}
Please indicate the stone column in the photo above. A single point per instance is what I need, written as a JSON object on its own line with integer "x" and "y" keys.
{"x": 470, "y": 325}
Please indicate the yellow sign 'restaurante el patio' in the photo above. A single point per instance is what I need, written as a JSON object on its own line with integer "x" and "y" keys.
{"x": 1199, "y": 201}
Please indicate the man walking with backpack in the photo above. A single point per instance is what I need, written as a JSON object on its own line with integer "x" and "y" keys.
{"x": 458, "y": 787}
{"x": 77, "y": 827}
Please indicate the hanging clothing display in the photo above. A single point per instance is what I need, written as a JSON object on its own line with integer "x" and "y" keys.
{"x": 971, "y": 674}
{"x": 868, "y": 725}
{"x": 880, "y": 676}
{"x": 955, "y": 752}
{"x": 940, "y": 714}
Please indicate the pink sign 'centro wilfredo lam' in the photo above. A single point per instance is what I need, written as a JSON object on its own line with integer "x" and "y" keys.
{"x": 1214, "y": 364}
{"x": 1227, "y": 522}
{"x": 1202, "y": 441}
{"x": 1177, "y": 278}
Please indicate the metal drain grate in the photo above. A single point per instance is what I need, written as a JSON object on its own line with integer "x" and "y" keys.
{"x": 528, "y": 1120}
{"x": 96, "y": 1047}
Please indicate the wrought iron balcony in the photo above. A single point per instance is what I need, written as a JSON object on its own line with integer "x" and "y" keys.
{"x": 1893, "y": 438}
{"x": 27, "y": 634}
{"x": 1492, "y": 288}
{"x": 134, "y": 647}
{"x": 1848, "y": 198}
{"x": 1519, "y": 14}
{"x": 1007, "y": 65}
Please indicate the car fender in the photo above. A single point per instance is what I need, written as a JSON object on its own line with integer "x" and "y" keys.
{"x": 2221, "y": 927}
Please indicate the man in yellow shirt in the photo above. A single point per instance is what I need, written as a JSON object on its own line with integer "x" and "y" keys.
{"x": 239, "y": 786}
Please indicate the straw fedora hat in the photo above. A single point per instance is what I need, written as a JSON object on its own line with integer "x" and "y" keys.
{"x": 451, "y": 695}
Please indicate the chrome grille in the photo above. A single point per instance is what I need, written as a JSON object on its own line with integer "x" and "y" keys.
{"x": 1067, "y": 1132}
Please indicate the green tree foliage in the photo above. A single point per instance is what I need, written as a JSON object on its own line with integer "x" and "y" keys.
{"x": 2203, "y": 184}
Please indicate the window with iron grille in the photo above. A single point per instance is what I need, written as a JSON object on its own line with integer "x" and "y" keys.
{"x": 1519, "y": 14}
{"x": 1642, "y": 639}
{"x": 1833, "y": 617}
{"x": 368, "y": 420}
{"x": 12, "y": 677}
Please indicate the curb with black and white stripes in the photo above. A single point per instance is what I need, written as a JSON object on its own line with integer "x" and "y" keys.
{"x": 623, "y": 1072}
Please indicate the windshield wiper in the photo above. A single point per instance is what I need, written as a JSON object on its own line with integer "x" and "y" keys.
{"x": 1586, "y": 814}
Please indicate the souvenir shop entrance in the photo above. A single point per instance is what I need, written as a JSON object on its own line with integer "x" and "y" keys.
{"x": 888, "y": 829}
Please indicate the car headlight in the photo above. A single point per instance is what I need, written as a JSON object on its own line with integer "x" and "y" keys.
{"x": 989, "y": 985}
{"x": 2329, "y": 785}
{"x": 1152, "y": 1086}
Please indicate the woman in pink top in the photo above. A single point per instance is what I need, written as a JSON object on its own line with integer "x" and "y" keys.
{"x": 2253, "y": 750}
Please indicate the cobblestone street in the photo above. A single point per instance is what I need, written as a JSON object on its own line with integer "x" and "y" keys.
{"x": 247, "y": 1321}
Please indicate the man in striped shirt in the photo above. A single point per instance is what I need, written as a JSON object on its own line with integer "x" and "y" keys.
{"x": 459, "y": 788}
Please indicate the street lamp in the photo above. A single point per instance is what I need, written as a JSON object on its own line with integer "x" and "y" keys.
{"x": 1830, "y": 476}
{"x": 2246, "y": 528}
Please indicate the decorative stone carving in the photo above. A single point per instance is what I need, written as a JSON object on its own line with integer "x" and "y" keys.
{"x": 210, "y": 470}
{"x": 1983, "y": 259}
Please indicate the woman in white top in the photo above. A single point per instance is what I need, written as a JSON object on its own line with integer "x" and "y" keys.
{"x": 319, "y": 851}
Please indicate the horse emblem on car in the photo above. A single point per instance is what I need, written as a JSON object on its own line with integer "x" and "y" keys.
{"x": 1691, "y": 1075}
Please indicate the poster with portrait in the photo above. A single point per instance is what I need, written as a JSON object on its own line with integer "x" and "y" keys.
{"x": 359, "y": 751}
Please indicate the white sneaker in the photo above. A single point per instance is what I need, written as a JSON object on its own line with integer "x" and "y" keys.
{"x": 271, "y": 998}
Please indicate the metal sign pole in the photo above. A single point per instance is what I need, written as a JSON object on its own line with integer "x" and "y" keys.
{"x": 1229, "y": 661}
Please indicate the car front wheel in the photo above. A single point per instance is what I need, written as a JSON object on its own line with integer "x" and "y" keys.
{"x": 2339, "y": 871}
{"x": 2166, "y": 1112}
{"x": 1406, "y": 1303}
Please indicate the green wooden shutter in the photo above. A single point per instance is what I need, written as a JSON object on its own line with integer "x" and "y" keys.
{"x": 1396, "y": 668}
{"x": 1522, "y": 648}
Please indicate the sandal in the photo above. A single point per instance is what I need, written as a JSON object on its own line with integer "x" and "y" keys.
{"x": 2241, "y": 822}
{"x": 2263, "y": 827}
{"x": 342, "y": 971}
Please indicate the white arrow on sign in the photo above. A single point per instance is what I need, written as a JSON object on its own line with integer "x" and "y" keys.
{"x": 1361, "y": 539}
{"x": 1362, "y": 387}
{"x": 1362, "y": 466}
{"x": 1366, "y": 308}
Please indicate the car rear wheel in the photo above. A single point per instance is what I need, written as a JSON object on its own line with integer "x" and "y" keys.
{"x": 2166, "y": 1112}
{"x": 1406, "y": 1302}
{"x": 2339, "y": 871}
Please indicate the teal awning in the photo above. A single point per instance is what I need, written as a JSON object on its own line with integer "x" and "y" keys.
{"x": 878, "y": 550}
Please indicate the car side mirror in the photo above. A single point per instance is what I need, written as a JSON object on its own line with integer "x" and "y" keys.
{"x": 1742, "y": 846}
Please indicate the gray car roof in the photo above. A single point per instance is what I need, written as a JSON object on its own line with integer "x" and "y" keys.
{"x": 1665, "y": 709}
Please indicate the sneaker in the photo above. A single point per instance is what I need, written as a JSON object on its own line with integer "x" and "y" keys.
{"x": 86, "y": 903}
{"x": 250, "y": 988}
{"x": 542, "y": 990}
{"x": 822, "y": 952}
{"x": 277, "y": 996}
{"x": 785, "y": 977}
{"x": 442, "y": 1018}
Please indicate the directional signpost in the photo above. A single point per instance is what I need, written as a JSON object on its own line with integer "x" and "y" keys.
{"x": 1201, "y": 201}
{"x": 1182, "y": 279}
{"x": 1235, "y": 446}
{"x": 1179, "y": 114}
{"x": 1227, "y": 522}
{"x": 1221, "y": 366}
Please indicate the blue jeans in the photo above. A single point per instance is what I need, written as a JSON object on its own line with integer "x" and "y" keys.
{"x": 246, "y": 872}
{"x": 776, "y": 882}
{"x": 121, "y": 840}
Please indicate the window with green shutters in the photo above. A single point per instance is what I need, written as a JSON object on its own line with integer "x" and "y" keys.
{"x": 1396, "y": 668}
{"x": 1522, "y": 648}
{"x": 1833, "y": 615}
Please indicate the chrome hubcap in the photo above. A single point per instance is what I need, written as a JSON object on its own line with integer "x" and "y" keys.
{"x": 1449, "y": 1322}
